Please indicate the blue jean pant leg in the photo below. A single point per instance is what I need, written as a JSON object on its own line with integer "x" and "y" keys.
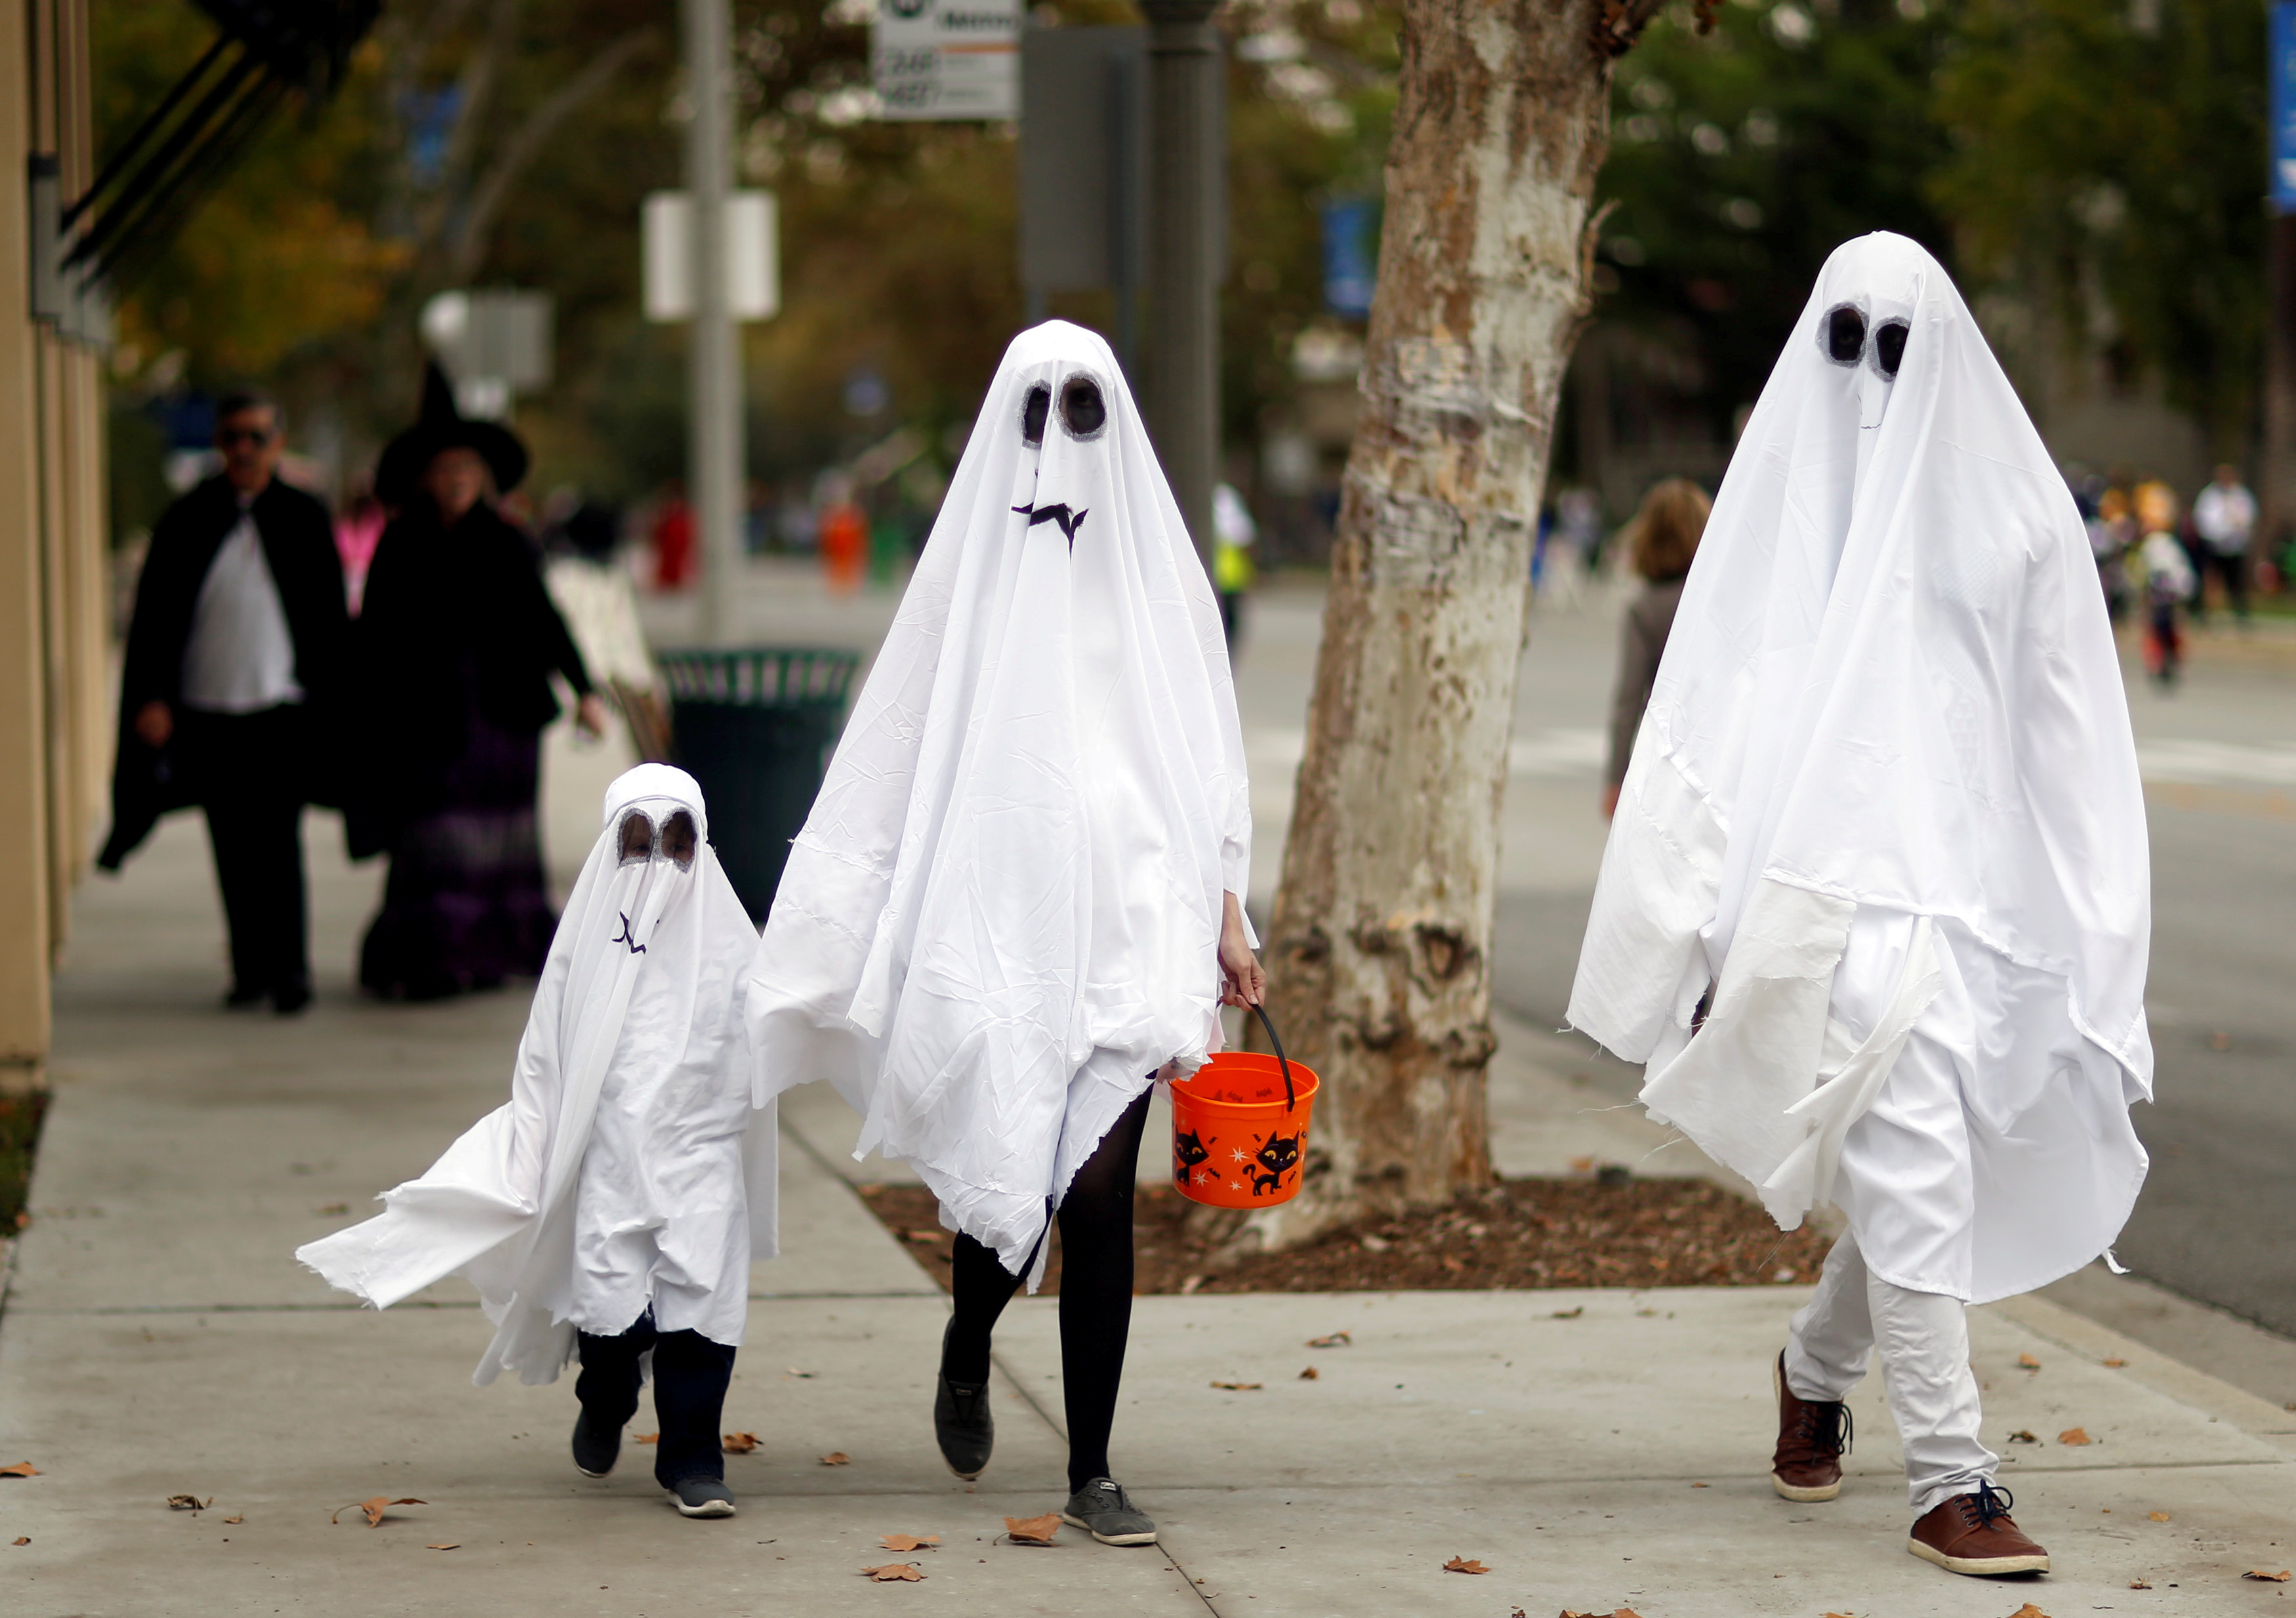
{"x": 691, "y": 1375}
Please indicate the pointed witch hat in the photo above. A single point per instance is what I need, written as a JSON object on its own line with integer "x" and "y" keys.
{"x": 442, "y": 427}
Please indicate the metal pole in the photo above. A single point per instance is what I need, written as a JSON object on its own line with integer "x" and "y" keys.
{"x": 2275, "y": 476}
{"x": 716, "y": 478}
{"x": 1184, "y": 203}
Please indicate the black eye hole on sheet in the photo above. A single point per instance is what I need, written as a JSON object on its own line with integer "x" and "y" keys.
{"x": 678, "y": 839}
{"x": 1038, "y": 405}
{"x": 1844, "y": 334}
{"x": 1889, "y": 348}
{"x": 637, "y": 838}
{"x": 1083, "y": 411}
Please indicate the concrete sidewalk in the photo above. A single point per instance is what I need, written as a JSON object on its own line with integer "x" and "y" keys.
{"x": 158, "y": 1339}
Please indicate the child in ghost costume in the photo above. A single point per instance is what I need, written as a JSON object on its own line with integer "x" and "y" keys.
{"x": 610, "y": 1209}
{"x": 1016, "y": 899}
{"x": 1875, "y": 907}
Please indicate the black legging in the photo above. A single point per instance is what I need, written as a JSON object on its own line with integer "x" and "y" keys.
{"x": 1096, "y": 1295}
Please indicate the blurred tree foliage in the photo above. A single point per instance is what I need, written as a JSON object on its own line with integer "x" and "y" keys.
{"x": 2110, "y": 159}
{"x": 1740, "y": 159}
{"x": 507, "y": 142}
{"x": 2052, "y": 148}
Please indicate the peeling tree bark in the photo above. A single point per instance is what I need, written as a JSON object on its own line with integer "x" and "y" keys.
{"x": 1383, "y": 924}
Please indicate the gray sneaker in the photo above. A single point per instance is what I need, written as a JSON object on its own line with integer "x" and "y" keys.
{"x": 1103, "y": 1510}
{"x": 702, "y": 1496}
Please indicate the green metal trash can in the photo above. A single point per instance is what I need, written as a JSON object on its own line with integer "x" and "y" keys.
{"x": 755, "y": 726}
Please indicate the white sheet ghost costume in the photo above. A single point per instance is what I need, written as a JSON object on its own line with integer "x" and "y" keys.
{"x": 1003, "y": 914}
{"x": 1883, "y": 825}
{"x": 634, "y": 1167}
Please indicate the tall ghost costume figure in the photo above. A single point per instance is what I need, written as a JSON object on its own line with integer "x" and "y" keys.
{"x": 612, "y": 1206}
{"x": 1875, "y": 907}
{"x": 1004, "y": 914}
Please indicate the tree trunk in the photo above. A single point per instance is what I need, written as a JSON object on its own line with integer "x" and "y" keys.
{"x": 1381, "y": 937}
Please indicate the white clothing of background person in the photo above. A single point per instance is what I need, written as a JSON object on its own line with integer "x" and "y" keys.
{"x": 2224, "y": 516}
{"x": 1003, "y": 914}
{"x": 634, "y": 1167}
{"x": 238, "y": 657}
{"x": 1875, "y": 908}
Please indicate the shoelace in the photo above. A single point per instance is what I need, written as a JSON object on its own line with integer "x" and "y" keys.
{"x": 1982, "y": 1505}
{"x": 1828, "y": 1427}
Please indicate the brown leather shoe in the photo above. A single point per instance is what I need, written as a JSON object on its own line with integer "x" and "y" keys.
{"x": 1972, "y": 1533}
{"x": 1812, "y": 1440}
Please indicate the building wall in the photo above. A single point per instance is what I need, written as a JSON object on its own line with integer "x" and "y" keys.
{"x": 55, "y": 626}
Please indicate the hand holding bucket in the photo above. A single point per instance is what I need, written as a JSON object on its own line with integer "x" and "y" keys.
{"x": 1240, "y": 1127}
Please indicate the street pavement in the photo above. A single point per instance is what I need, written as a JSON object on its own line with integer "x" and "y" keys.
{"x": 1593, "y": 1449}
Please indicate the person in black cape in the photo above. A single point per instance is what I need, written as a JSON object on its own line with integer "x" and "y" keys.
{"x": 228, "y": 697}
{"x": 454, "y": 646}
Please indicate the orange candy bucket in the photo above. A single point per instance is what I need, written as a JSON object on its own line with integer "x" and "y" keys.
{"x": 1240, "y": 1127}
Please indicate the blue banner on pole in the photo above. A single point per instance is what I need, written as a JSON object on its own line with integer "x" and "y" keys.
{"x": 1352, "y": 254}
{"x": 2283, "y": 107}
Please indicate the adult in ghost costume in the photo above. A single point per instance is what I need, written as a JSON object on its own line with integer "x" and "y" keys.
{"x": 612, "y": 1206}
{"x": 1016, "y": 898}
{"x": 1875, "y": 906}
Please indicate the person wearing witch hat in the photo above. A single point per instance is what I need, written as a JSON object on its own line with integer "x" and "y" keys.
{"x": 453, "y": 652}
{"x": 231, "y": 666}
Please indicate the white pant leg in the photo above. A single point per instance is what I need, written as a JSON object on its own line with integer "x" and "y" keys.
{"x": 1831, "y": 1336}
{"x": 1923, "y": 1337}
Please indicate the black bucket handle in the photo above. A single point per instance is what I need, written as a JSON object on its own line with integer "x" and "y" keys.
{"x": 1291, "y": 1098}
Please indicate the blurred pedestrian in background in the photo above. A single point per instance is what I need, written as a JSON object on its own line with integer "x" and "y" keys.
{"x": 2224, "y": 518}
{"x": 357, "y": 531}
{"x": 1661, "y": 542}
{"x": 844, "y": 537}
{"x": 673, "y": 540}
{"x": 454, "y": 650}
{"x": 1233, "y": 534}
{"x": 238, "y": 626}
{"x": 2168, "y": 580}
{"x": 600, "y": 609}
{"x": 2111, "y": 534}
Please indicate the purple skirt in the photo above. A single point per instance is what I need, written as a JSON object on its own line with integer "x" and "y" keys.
{"x": 465, "y": 905}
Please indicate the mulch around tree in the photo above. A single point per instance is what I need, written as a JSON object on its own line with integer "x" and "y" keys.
{"x": 1582, "y": 1232}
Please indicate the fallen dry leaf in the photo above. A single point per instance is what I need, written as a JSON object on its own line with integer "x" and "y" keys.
{"x": 1338, "y": 1339}
{"x": 2158, "y": 1516}
{"x": 2075, "y": 1436}
{"x": 647, "y": 1438}
{"x": 1237, "y": 1387}
{"x": 23, "y": 1468}
{"x": 2029, "y": 1610}
{"x": 835, "y": 1457}
{"x": 908, "y": 1541}
{"x": 2114, "y": 1365}
{"x": 1460, "y": 1564}
{"x": 189, "y": 1502}
{"x": 1570, "y": 1315}
{"x": 456, "y": 1545}
{"x": 739, "y": 1444}
{"x": 895, "y": 1571}
{"x": 2281, "y": 1577}
{"x": 1582, "y": 1165}
{"x": 2026, "y": 1362}
{"x": 793, "y": 1371}
{"x": 1033, "y": 1531}
{"x": 333, "y": 1207}
{"x": 234, "y": 1522}
{"x": 22, "y": 1539}
{"x": 1699, "y": 1485}
{"x": 1310, "y": 1374}
{"x": 2138, "y": 1584}
{"x": 2023, "y": 1436}
{"x": 375, "y": 1508}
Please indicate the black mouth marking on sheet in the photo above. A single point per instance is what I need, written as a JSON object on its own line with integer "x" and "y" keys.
{"x": 629, "y": 937}
{"x": 1069, "y": 521}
